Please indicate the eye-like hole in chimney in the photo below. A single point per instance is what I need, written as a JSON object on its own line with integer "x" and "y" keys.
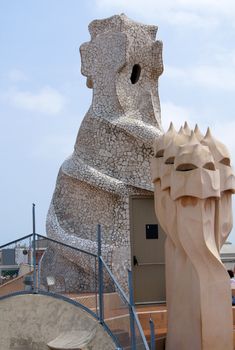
{"x": 160, "y": 153}
{"x": 186, "y": 167}
{"x": 209, "y": 166}
{"x": 135, "y": 74}
{"x": 225, "y": 161}
{"x": 170, "y": 160}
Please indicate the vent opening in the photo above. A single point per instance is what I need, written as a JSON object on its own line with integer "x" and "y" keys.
{"x": 225, "y": 161}
{"x": 160, "y": 153}
{"x": 170, "y": 160}
{"x": 135, "y": 74}
{"x": 209, "y": 166}
{"x": 186, "y": 167}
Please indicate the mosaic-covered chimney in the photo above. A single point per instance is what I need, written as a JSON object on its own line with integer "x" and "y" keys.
{"x": 194, "y": 183}
{"x": 111, "y": 157}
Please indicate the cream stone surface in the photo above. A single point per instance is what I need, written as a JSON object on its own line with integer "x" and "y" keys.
{"x": 111, "y": 158}
{"x": 30, "y": 322}
{"x": 194, "y": 182}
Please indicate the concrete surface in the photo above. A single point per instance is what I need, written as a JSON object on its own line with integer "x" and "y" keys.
{"x": 29, "y": 322}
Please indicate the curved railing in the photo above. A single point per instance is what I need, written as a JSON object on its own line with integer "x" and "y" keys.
{"x": 102, "y": 296}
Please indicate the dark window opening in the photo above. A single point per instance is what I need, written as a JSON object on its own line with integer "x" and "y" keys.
{"x": 136, "y": 70}
{"x": 160, "y": 153}
{"x": 186, "y": 167}
{"x": 151, "y": 231}
{"x": 225, "y": 161}
{"x": 170, "y": 160}
{"x": 209, "y": 166}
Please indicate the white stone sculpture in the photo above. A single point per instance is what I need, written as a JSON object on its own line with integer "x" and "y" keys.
{"x": 111, "y": 158}
{"x": 194, "y": 182}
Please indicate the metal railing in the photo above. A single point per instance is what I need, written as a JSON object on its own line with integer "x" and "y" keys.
{"x": 26, "y": 266}
{"x": 31, "y": 270}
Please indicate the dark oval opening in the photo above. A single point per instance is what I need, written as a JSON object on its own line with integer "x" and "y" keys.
{"x": 170, "y": 160}
{"x": 209, "y": 166}
{"x": 160, "y": 153}
{"x": 186, "y": 167}
{"x": 135, "y": 75}
{"x": 225, "y": 161}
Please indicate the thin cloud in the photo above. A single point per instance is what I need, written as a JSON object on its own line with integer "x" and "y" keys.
{"x": 176, "y": 114}
{"x": 207, "y": 76}
{"x": 16, "y": 75}
{"x": 47, "y": 100}
{"x": 224, "y": 131}
{"x": 54, "y": 147}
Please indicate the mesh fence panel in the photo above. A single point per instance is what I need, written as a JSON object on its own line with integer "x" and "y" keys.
{"x": 116, "y": 312}
{"x": 70, "y": 272}
{"x": 59, "y": 269}
{"x": 119, "y": 316}
{"x": 16, "y": 266}
{"x": 139, "y": 338}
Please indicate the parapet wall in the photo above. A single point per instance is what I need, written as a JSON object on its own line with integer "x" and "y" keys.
{"x": 30, "y": 322}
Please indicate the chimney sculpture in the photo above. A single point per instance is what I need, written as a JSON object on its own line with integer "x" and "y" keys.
{"x": 111, "y": 158}
{"x": 194, "y": 183}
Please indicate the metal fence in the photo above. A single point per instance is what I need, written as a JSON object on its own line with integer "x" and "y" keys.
{"x": 27, "y": 265}
{"x": 16, "y": 265}
{"x": 120, "y": 316}
{"x": 67, "y": 278}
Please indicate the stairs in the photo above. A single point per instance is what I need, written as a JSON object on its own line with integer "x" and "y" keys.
{"x": 116, "y": 314}
{"x": 159, "y": 316}
{"x": 117, "y": 318}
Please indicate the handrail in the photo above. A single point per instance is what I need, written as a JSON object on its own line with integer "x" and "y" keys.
{"x": 48, "y": 239}
{"x": 67, "y": 245}
{"x": 54, "y": 295}
{"x": 115, "y": 281}
{"x": 140, "y": 328}
{"x": 152, "y": 334}
{"x": 16, "y": 241}
{"x": 132, "y": 308}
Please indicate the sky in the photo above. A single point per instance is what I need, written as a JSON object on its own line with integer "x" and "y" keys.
{"x": 43, "y": 96}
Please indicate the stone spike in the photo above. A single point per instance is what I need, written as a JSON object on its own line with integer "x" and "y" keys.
{"x": 198, "y": 133}
{"x": 171, "y": 127}
{"x": 208, "y": 134}
{"x": 181, "y": 130}
{"x": 187, "y": 129}
{"x": 193, "y": 138}
{"x": 217, "y": 148}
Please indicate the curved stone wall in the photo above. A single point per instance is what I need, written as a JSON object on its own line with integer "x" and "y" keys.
{"x": 30, "y": 322}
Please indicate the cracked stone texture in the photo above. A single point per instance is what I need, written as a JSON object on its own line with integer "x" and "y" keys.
{"x": 111, "y": 157}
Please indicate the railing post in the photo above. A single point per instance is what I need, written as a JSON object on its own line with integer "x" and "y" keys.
{"x": 152, "y": 335}
{"x": 132, "y": 321}
{"x": 39, "y": 277}
{"x": 100, "y": 276}
{"x": 34, "y": 251}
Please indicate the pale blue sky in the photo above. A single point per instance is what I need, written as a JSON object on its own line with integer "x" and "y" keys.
{"x": 43, "y": 96}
